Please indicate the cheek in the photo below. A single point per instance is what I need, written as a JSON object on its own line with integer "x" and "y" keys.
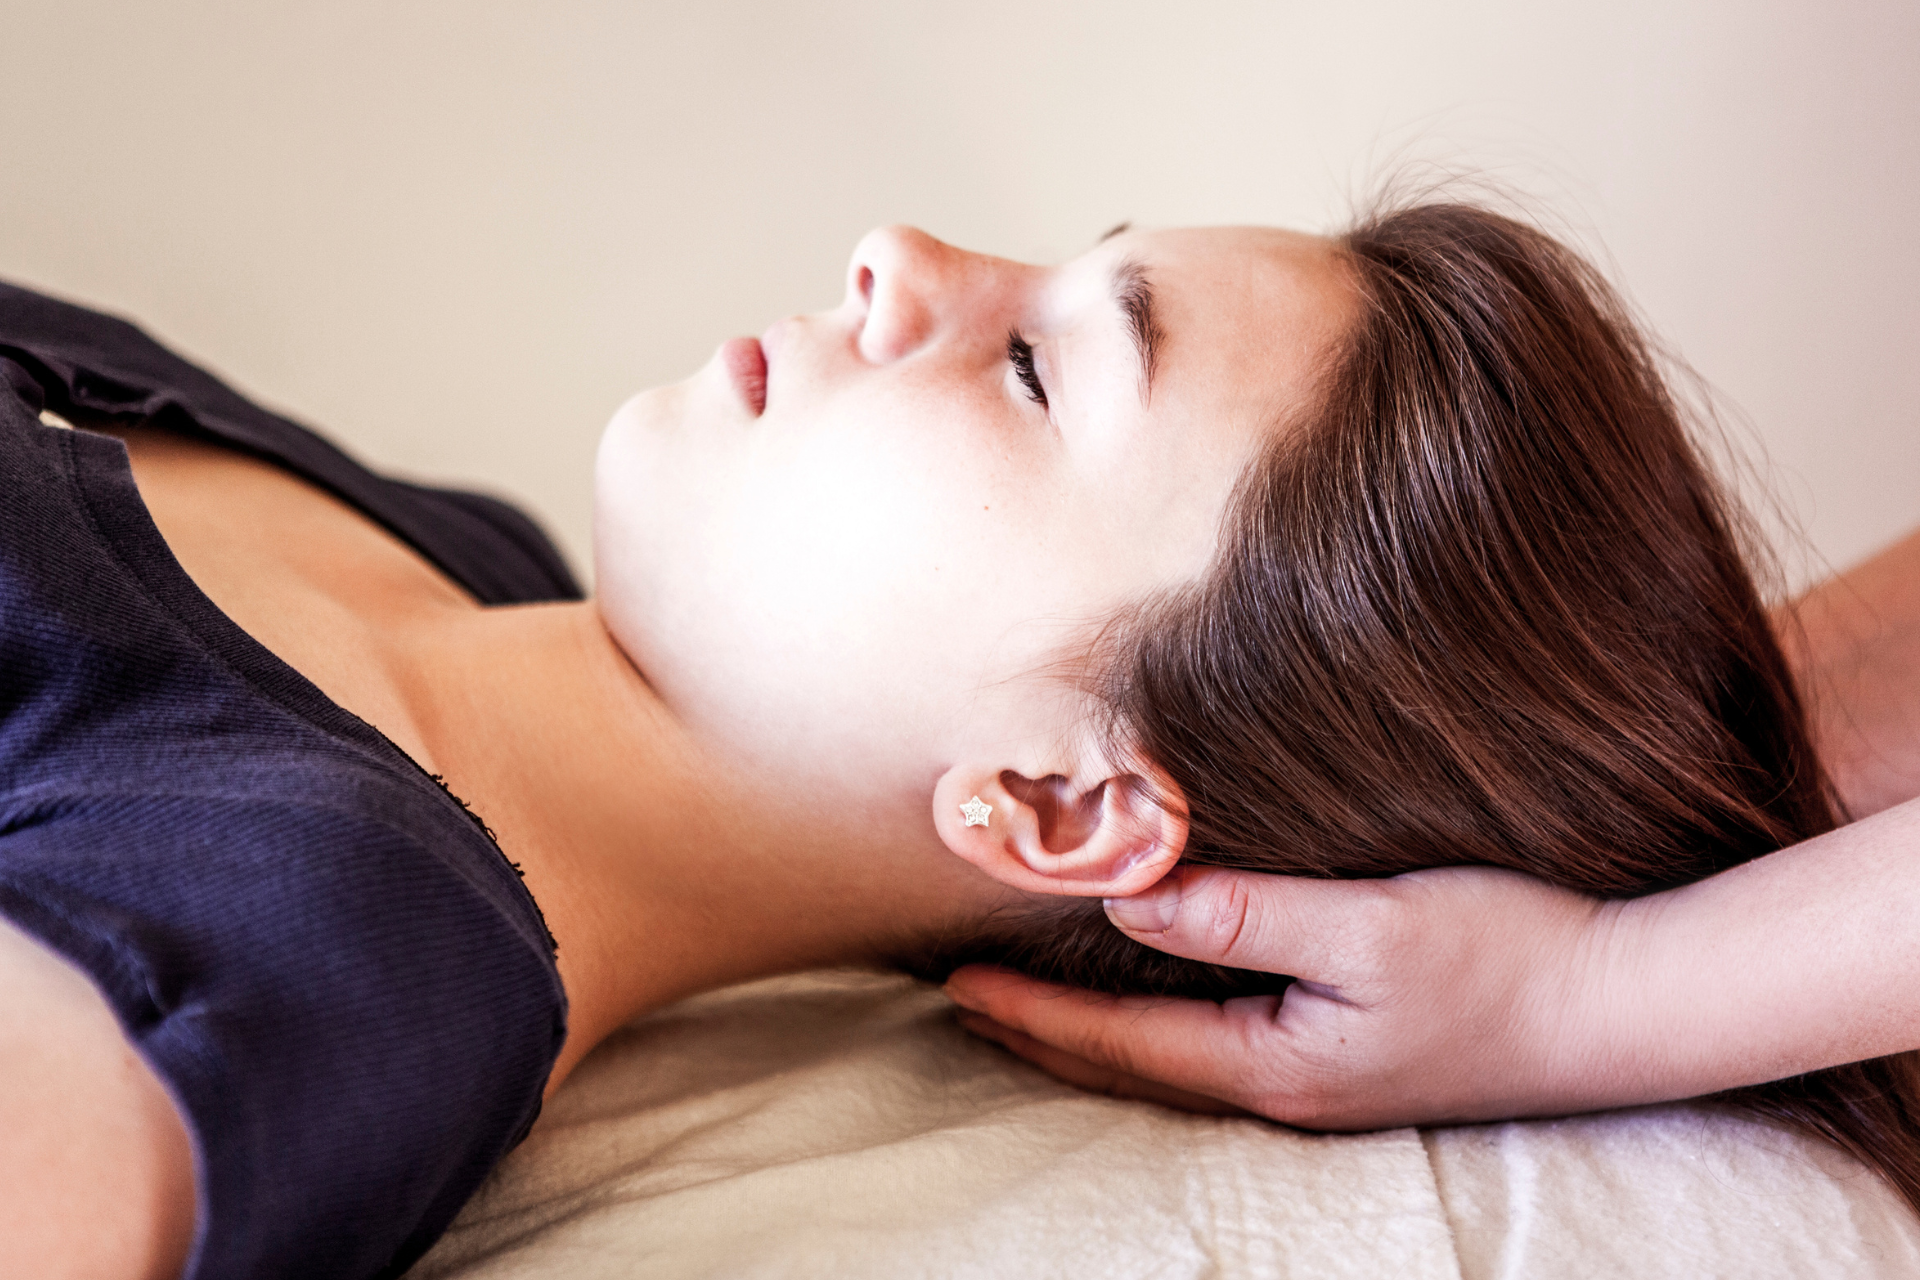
{"x": 852, "y": 570}
{"x": 848, "y": 541}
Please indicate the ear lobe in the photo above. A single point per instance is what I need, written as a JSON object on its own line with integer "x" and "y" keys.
{"x": 1111, "y": 839}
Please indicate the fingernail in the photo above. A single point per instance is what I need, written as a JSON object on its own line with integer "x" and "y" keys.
{"x": 1149, "y": 911}
{"x": 963, "y": 997}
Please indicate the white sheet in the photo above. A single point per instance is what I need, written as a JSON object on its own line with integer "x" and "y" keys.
{"x": 841, "y": 1125}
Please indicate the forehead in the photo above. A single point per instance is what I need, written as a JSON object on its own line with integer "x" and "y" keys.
{"x": 1247, "y": 315}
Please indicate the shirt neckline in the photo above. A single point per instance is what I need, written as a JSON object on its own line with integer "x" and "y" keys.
{"x": 101, "y": 472}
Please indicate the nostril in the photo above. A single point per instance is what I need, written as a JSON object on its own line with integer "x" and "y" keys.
{"x": 866, "y": 284}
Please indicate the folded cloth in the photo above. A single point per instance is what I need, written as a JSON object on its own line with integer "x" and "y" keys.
{"x": 841, "y": 1125}
{"x": 1681, "y": 1192}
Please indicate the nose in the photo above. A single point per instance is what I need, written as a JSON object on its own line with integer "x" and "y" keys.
{"x": 901, "y": 283}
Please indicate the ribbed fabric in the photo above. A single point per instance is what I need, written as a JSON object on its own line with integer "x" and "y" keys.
{"x": 339, "y": 976}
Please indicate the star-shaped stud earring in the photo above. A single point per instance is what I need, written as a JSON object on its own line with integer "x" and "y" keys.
{"x": 977, "y": 812}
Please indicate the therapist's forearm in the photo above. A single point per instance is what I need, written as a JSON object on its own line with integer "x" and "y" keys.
{"x": 1804, "y": 959}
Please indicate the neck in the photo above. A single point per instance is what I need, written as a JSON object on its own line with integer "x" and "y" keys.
{"x": 664, "y": 867}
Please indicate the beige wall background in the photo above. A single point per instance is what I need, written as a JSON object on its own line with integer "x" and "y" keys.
{"x": 458, "y": 235}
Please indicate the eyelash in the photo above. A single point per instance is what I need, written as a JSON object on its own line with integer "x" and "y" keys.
{"x": 1020, "y": 356}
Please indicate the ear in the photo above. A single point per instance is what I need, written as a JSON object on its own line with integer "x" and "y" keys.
{"x": 1108, "y": 838}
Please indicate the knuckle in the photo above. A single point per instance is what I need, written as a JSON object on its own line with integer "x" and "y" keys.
{"x": 1228, "y": 926}
{"x": 1109, "y": 1043}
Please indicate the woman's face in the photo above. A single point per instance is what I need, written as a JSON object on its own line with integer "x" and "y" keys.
{"x": 856, "y": 560}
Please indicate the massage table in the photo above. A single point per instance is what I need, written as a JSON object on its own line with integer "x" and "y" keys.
{"x": 840, "y": 1124}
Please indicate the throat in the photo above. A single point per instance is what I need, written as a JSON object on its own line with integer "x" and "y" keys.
{"x": 664, "y": 866}
{"x": 645, "y": 854}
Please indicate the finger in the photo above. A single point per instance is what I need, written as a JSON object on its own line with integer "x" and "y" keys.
{"x": 1091, "y": 1076}
{"x": 1312, "y": 929}
{"x": 1195, "y": 1046}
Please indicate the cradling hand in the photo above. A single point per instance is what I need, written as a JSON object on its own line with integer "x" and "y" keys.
{"x": 1455, "y": 994}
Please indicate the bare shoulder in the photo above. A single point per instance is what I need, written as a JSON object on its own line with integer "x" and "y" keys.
{"x": 96, "y": 1176}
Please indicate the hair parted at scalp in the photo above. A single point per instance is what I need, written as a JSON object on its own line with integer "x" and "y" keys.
{"x": 1484, "y": 604}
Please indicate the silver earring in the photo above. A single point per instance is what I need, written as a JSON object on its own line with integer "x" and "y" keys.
{"x": 977, "y": 812}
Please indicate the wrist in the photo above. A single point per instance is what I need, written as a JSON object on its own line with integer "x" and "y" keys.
{"x": 1611, "y": 1044}
{"x": 1789, "y": 963}
{"x": 1673, "y": 1001}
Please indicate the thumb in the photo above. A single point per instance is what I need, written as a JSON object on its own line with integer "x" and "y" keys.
{"x": 1251, "y": 920}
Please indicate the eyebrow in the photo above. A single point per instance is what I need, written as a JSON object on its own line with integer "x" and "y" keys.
{"x": 1134, "y": 294}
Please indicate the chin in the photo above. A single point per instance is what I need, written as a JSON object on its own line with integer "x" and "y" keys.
{"x": 640, "y": 415}
{"x": 626, "y": 493}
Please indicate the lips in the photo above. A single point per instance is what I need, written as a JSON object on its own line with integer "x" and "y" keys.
{"x": 746, "y": 365}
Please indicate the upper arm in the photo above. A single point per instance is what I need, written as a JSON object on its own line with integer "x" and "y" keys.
{"x": 1854, "y": 642}
{"x": 96, "y": 1175}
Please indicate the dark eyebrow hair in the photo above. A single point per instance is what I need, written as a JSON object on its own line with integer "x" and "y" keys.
{"x": 1114, "y": 230}
{"x": 1134, "y": 293}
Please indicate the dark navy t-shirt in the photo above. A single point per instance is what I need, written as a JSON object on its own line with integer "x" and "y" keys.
{"x": 326, "y": 959}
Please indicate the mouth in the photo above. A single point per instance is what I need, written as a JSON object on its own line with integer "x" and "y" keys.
{"x": 746, "y": 365}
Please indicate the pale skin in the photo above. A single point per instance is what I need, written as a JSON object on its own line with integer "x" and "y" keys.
{"x": 1476, "y": 994}
{"x": 826, "y": 617}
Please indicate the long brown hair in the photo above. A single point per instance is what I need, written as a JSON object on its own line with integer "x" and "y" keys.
{"x": 1485, "y": 604}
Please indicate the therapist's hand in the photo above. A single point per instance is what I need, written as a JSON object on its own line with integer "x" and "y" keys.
{"x": 1462, "y": 993}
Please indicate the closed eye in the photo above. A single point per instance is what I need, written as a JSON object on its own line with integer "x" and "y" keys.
{"x": 1020, "y": 356}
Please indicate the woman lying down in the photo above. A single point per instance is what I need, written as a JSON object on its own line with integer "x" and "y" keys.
{"x": 338, "y": 828}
